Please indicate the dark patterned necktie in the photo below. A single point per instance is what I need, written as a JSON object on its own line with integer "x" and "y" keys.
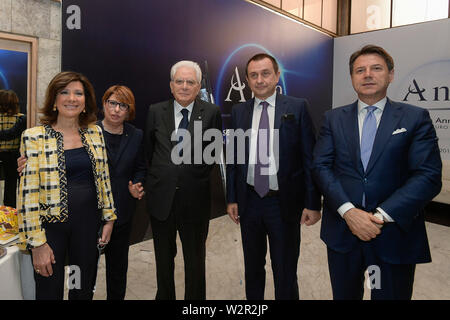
{"x": 184, "y": 123}
{"x": 262, "y": 149}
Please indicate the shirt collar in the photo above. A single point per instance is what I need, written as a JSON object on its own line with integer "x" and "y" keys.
{"x": 271, "y": 100}
{"x": 380, "y": 104}
{"x": 179, "y": 107}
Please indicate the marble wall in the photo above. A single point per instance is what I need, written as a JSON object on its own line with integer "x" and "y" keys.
{"x": 40, "y": 19}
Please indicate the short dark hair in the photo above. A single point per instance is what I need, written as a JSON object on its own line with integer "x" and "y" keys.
{"x": 260, "y": 56}
{"x": 372, "y": 49}
{"x": 58, "y": 83}
{"x": 125, "y": 95}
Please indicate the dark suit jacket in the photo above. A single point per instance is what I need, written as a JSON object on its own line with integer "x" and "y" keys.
{"x": 403, "y": 174}
{"x": 16, "y": 130}
{"x": 127, "y": 164}
{"x": 165, "y": 177}
{"x": 296, "y": 142}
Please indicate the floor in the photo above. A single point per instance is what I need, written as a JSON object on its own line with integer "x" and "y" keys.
{"x": 225, "y": 267}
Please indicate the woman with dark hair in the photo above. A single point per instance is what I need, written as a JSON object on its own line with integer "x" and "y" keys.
{"x": 65, "y": 192}
{"x": 9, "y": 147}
{"x": 124, "y": 145}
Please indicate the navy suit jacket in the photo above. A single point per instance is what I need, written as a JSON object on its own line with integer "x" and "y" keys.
{"x": 127, "y": 164}
{"x": 296, "y": 143}
{"x": 402, "y": 176}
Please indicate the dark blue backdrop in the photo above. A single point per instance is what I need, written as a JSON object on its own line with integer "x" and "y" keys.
{"x": 136, "y": 42}
{"x": 14, "y": 74}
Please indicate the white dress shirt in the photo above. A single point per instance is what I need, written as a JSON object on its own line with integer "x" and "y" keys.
{"x": 178, "y": 115}
{"x": 362, "y": 112}
{"x": 257, "y": 110}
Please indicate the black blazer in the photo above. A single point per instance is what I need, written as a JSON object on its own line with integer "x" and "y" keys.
{"x": 165, "y": 177}
{"x": 128, "y": 164}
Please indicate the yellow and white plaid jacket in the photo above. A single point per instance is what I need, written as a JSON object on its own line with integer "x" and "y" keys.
{"x": 7, "y": 122}
{"x": 43, "y": 185}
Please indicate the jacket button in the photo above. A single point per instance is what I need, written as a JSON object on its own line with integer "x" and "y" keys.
{"x": 365, "y": 180}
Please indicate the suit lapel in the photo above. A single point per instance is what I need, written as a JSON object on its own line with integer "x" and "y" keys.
{"x": 350, "y": 128}
{"x": 389, "y": 120}
{"x": 169, "y": 120}
{"x": 108, "y": 151}
{"x": 126, "y": 136}
{"x": 247, "y": 125}
{"x": 247, "y": 117}
{"x": 281, "y": 107}
{"x": 197, "y": 115}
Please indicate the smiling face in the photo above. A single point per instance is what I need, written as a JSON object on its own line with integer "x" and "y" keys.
{"x": 262, "y": 78}
{"x": 70, "y": 101}
{"x": 185, "y": 86}
{"x": 371, "y": 78}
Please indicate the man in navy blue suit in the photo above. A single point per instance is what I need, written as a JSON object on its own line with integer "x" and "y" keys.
{"x": 377, "y": 163}
{"x": 271, "y": 192}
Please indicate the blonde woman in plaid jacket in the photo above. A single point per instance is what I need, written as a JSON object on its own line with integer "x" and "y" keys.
{"x": 65, "y": 193}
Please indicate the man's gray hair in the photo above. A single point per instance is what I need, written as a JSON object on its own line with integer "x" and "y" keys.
{"x": 188, "y": 64}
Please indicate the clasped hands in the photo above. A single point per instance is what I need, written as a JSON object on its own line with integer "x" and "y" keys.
{"x": 136, "y": 190}
{"x": 363, "y": 224}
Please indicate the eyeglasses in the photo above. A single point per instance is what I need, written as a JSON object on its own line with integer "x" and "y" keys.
{"x": 113, "y": 104}
{"x": 189, "y": 82}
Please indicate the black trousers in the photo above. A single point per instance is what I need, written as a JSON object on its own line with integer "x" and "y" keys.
{"x": 9, "y": 164}
{"x": 386, "y": 281}
{"x": 76, "y": 239}
{"x": 116, "y": 257}
{"x": 193, "y": 236}
{"x": 262, "y": 221}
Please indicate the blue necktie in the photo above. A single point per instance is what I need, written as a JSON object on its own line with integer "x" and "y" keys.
{"x": 183, "y": 125}
{"x": 262, "y": 180}
{"x": 369, "y": 131}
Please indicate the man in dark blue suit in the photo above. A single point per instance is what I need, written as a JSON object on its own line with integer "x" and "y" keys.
{"x": 377, "y": 163}
{"x": 268, "y": 192}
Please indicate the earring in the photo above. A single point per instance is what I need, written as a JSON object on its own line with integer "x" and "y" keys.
{"x": 54, "y": 107}
{"x": 84, "y": 110}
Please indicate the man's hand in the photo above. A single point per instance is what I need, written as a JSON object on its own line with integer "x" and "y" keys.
{"x": 310, "y": 217}
{"x": 21, "y": 162}
{"x": 362, "y": 224}
{"x": 136, "y": 190}
{"x": 232, "y": 210}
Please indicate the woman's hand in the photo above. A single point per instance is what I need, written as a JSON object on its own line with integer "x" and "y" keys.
{"x": 106, "y": 234}
{"x": 21, "y": 162}
{"x": 136, "y": 190}
{"x": 43, "y": 258}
